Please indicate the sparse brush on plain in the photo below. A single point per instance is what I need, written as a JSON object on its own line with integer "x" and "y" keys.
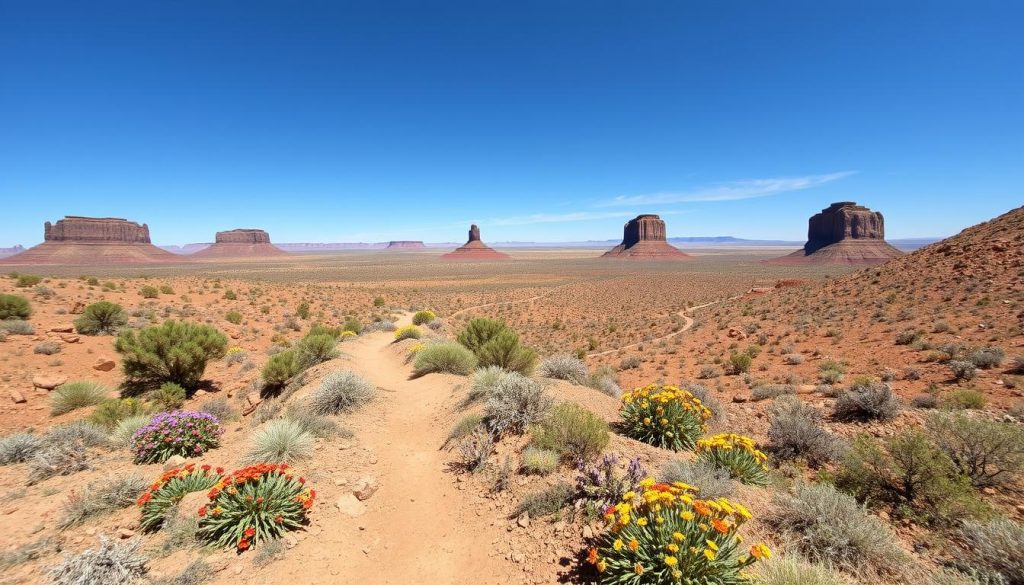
{"x": 101, "y": 318}
{"x": 988, "y": 452}
{"x": 515, "y": 403}
{"x": 75, "y": 395}
{"x": 771, "y": 391}
{"x": 987, "y": 358}
{"x": 564, "y": 367}
{"x": 875, "y": 401}
{"x": 101, "y": 497}
{"x": 113, "y": 562}
{"x": 539, "y": 461}
{"x": 445, "y": 357}
{"x": 572, "y": 431}
{"x": 280, "y": 441}
{"x": 996, "y": 546}
{"x": 281, "y": 368}
{"x": 423, "y": 317}
{"x": 219, "y": 408}
{"x": 176, "y": 351}
{"x": 796, "y": 432}
{"x": 14, "y": 307}
{"x": 18, "y": 447}
{"x": 710, "y": 480}
{"x": 340, "y": 392}
{"x": 964, "y": 399}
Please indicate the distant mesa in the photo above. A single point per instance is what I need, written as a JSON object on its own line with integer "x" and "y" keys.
{"x": 843, "y": 233}
{"x": 475, "y": 250}
{"x": 643, "y": 238}
{"x": 5, "y": 252}
{"x": 241, "y": 243}
{"x": 405, "y": 245}
{"x": 77, "y": 240}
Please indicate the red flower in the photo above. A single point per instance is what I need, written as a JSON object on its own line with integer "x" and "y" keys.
{"x": 202, "y": 512}
{"x": 249, "y": 532}
{"x": 243, "y": 544}
{"x": 206, "y": 468}
{"x": 592, "y": 556}
{"x": 302, "y": 481}
{"x": 220, "y": 470}
{"x": 278, "y": 519}
{"x": 146, "y": 497}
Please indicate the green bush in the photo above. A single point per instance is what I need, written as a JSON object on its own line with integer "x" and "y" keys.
{"x": 233, "y": 317}
{"x": 875, "y": 401}
{"x": 111, "y": 412}
{"x": 230, "y": 295}
{"x": 14, "y": 307}
{"x": 545, "y": 502}
{"x": 101, "y": 318}
{"x": 539, "y": 461}
{"x": 149, "y": 292}
{"x": 495, "y": 344}
{"x": 280, "y": 368}
{"x": 964, "y": 399}
{"x": 572, "y": 431}
{"x": 408, "y": 332}
{"x": 28, "y": 280}
{"x": 664, "y": 416}
{"x": 423, "y": 317}
{"x": 988, "y": 452}
{"x": 176, "y": 351}
{"x": 514, "y": 404}
{"x": 315, "y": 349}
{"x": 352, "y": 325}
{"x": 445, "y": 357}
{"x": 378, "y": 302}
{"x": 302, "y": 310}
{"x": 740, "y": 363}
{"x": 75, "y": 395}
{"x": 169, "y": 396}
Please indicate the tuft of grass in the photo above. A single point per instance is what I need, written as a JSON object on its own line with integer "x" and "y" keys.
{"x": 464, "y": 427}
{"x": 484, "y": 380}
{"x": 18, "y": 447}
{"x": 996, "y": 546}
{"x": 564, "y": 367}
{"x": 113, "y": 562}
{"x": 540, "y": 461}
{"x": 515, "y": 403}
{"x": 101, "y": 497}
{"x": 339, "y": 392}
{"x": 280, "y": 441}
{"x": 711, "y": 481}
{"x": 794, "y": 571}
{"x": 571, "y": 431}
{"x": 545, "y": 502}
{"x": 312, "y": 423}
{"x": 75, "y": 395}
{"x": 29, "y": 551}
{"x": 122, "y": 433}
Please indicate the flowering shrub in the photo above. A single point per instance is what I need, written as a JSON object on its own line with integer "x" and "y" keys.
{"x": 347, "y": 334}
{"x": 182, "y": 432}
{"x": 172, "y": 486}
{"x": 408, "y": 332}
{"x": 423, "y": 317}
{"x": 601, "y": 485}
{"x": 664, "y": 416}
{"x": 736, "y": 453}
{"x": 253, "y": 504}
{"x": 665, "y": 535}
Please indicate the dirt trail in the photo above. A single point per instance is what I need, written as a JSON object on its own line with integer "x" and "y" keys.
{"x": 418, "y": 528}
{"x": 687, "y": 323}
{"x": 529, "y": 300}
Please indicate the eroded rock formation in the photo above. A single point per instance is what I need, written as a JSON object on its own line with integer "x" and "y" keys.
{"x": 240, "y": 243}
{"x": 5, "y": 252}
{"x": 474, "y": 249}
{"x": 405, "y": 245}
{"x": 844, "y": 233}
{"x": 90, "y": 241}
{"x": 644, "y": 238}
{"x": 74, "y": 228}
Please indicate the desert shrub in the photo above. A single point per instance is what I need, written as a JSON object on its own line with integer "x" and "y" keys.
{"x": 445, "y": 357}
{"x": 111, "y": 412}
{"x": 100, "y": 497}
{"x": 340, "y": 392}
{"x": 378, "y": 302}
{"x": 126, "y": 427}
{"x": 692, "y": 535}
{"x": 302, "y": 310}
{"x": 315, "y": 349}
{"x": 539, "y": 461}
{"x": 545, "y": 502}
{"x": 793, "y": 359}
{"x": 315, "y": 424}
{"x": 740, "y": 363}
{"x": 771, "y": 391}
{"x": 27, "y": 280}
{"x": 964, "y": 399}
{"x": 602, "y": 485}
{"x": 149, "y": 292}
{"x": 996, "y": 546}
{"x": 176, "y": 351}
{"x": 112, "y": 562}
{"x": 571, "y": 431}
{"x": 423, "y": 317}
{"x": 219, "y": 408}
{"x": 30, "y": 551}
{"x": 483, "y": 382}
{"x": 233, "y": 317}
{"x": 15, "y": 327}
{"x": 230, "y": 295}
{"x": 988, "y": 452}
{"x": 464, "y": 427}
{"x": 906, "y": 337}
{"x": 475, "y": 449}
{"x": 737, "y": 454}
{"x": 353, "y": 326}
{"x": 56, "y": 459}
{"x": 875, "y": 401}
{"x": 564, "y": 367}
{"x": 80, "y": 432}
{"x": 169, "y": 396}
{"x": 1018, "y": 365}
{"x": 962, "y": 370}
{"x": 987, "y": 358}
{"x": 280, "y": 441}
{"x": 664, "y": 416}
{"x": 14, "y": 307}
{"x": 101, "y": 318}
{"x": 253, "y": 505}
{"x": 279, "y": 369}
{"x": 794, "y": 571}
{"x": 924, "y": 401}
{"x": 408, "y": 332}
{"x": 629, "y": 362}
{"x": 182, "y": 432}
{"x": 830, "y": 527}
{"x": 18, "y": 447}
{"x": 909, "y": 473}
{"x": 75, "y": 395}
{"x": 703, "y": 393}
{"x": 710, "y": 480}
{"x": 164, "y": 494}
{"x": 831, "y": 372}
{"x": 795, "y": 432}
{"x": 515, "y": 403}
{"x": 47, "y": 348}
{"x": 495, "y": 344}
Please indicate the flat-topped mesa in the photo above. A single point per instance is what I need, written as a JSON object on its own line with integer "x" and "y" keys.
{"x": 405, "y": 245}
{"x": 75, "y": 228}
{"x": 240, "y": 244}
{"x": 844, "y": 233}
{"x": 92, "y": 241}
{"x": 644, "y": 238}
{"x": 475, "y": 249}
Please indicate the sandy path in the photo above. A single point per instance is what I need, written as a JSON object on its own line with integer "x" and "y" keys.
{"x": 529, "y": 300}
{"x": 687, "y": 323}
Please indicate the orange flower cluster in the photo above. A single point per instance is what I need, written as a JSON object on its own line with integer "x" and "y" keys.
{"x": 181, "y": 472}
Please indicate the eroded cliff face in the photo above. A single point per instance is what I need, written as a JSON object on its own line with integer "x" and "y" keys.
{"x": 844, "y": 233}
{"x": 240, "y": 244}
{"x": 243, "y": 236}
{"x": 95, "y": 229}
{"x": 93, "y": 241}
{"x": 644, "y": 238}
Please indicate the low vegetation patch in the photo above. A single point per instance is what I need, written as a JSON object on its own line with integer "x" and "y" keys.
{"x": 341, "y": 392}
{"x": 445, "y": 357}
{"x": 737, "y": 454}
{"x": 795, "y": 432}
{"x": 515, "y": 403}
{"x": 75, "y": 395}
{"x": 165, "y": 493}
{"x": 182, "y": 432}
{"x": 495, "y": 344}
{"x": 101, "y": 318}
{"x": 176, "y": 351}
{"x": 874, "y": 401}
{"x": 112, "y": 562}
{"x": 564, "y": 367}
{"x": 14, "y": 307}
{"x": 572, "y": 431}
{"x": 280, "y": 440}
{"x": 664, "y": 416}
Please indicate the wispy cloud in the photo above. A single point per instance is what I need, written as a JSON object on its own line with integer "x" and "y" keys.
{"x": 558, "y": 217}
{"x": 731, "y": 191}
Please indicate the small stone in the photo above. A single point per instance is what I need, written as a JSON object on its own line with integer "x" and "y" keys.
{"x": 78, "y": 308}
{"x": 69, "y": 338}
{"x": 365, "y": 487}
{"x": 290, "y": 541}
{"x": 124, "y": 533}
{"x": 350, "y": 505}
{"x": 588, "y": 532}
{"x": 48, "y": 381}
{"x": 173, "y": 462}
{"x": 104, "y": 364}
{"x": 17, "y": 397}
{"x": 64, "y": 329}
{"x": 524, "y": 520}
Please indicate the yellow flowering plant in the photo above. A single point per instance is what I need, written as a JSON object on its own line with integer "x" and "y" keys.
{"x": 737, "y": 454}
{"x": 664, "y": 416}
{"x": 408, "y": 332}
{"x": 663, "y": 534}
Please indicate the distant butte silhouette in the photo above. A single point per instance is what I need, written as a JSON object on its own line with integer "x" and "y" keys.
{"x": 241, "y": 243}
{"x": 87, "y": 241}
{"x": 475, "y": 250}
{"x": 405, "y": 245}
{"x": 843, "y": 233}
{"x": 643, "y": 238}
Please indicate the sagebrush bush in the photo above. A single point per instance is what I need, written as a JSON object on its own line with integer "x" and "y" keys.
{"x": 830, "y": 527}
{"x": 182, "y": 432}
{"x": 444, "y": 357}
{"x": 564, "y": 367}
{"x": 771, "y": 391}
{"x": 964, "y": 399}
{"x": 408, "y": 332}
{"x": 253, "y": 505}
{"x": 475, "y": 449}
{"x": 987, "y": 358}
{"x": 81, "y": 432}
{"x": 340, "y": 392}
{"x": 736, "y": 453}
{"x": 56, "y": 459}
{"x": 515, "y": 403}
{"x": 16, "y": 327}
{"x": 962, "y": 370}
{"x": 710, "y": 480}
{"x": 423, "y": 317}
{"x": 315, "y": 349}
{"x": 14, "y": 307}
{"x": 539, "y": 461}
{"x": 664, "y": 416}
{"x": 464, "y": 427}
{"x": 545, "y": 502}
{"x": 988, "y": 452}
{"x": 739, "y": 363}
{"x": 483, "y": 381}
{"x": 75, "y": 395}
{"x": 996, "y": 546}
{"x": 101, "y": 497}
{"x": 164, "y": 494}
{"x": 47, "y": 348}
{"x": 495, "y": 344}
{"x": 280, "y": 441}
{"x": 875, "y": 401}
{"x": 176, "y": 351}
{"x": 794, "y": 571}
{"x": 112, "y": 562}
{"x": 572, "y": 431}
{"x": 101, "y": 318}
{"x": 18, "y": 447}
{"x": 795, "y": 432}
{"x": 169, "y": 396}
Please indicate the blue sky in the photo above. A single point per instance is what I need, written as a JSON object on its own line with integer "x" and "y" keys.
{"x": 541, "y": 120}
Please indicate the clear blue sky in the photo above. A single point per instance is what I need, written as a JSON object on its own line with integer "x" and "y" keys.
{"x": 541, "y": 120}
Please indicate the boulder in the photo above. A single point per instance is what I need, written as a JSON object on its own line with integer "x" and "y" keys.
{"x": 104, "y": 364}
{"x": 350, "y": 505}
{"x": 475, "y": 249}
{"x": 643, "y": 238}
{"x": 48, "y": 381}
{"x": 843, "y": 233}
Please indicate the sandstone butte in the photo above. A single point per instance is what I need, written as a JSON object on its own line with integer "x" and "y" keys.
{"x": 643, "y": 238}
{"x": 405, "y": 245}
{"x": 475, "y": 250}
{"x": 843, "y": 233}
{"x": 240, "y": 243}
{"x": 88, "y": 241}
{"x": 5, "y": 252}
